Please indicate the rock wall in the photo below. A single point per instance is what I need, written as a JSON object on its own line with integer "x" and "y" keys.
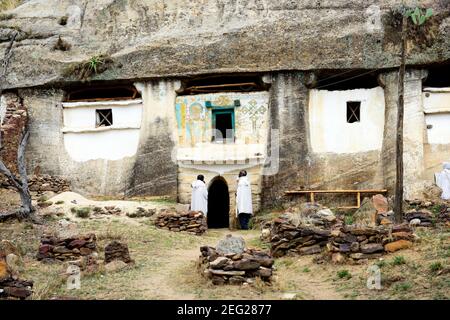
{"x": 12, "y": 122}
{"x": 148, "y": 39}
{"x": 155, "y": 170}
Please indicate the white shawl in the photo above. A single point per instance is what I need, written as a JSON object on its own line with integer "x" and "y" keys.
{"x": 199, "y": 200}
{"x": 244, "y": 196}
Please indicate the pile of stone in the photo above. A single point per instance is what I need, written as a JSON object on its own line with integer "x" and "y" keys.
{"x": 107, "y": 210}
{"x": 286, "y": 238}
{"x": 14, "y": 288}
{"x": 312, "y": 214}
{"x": 354, "y": 243}
{"x": 301, "y": 230}
{"x": 117, "y": 251}
{"x": 231, "y": 263}
{"x": 70, "y": 248}
{"x": 117, "y": 256}
{"x": 11, "y": 286}
{"x": 141, "y": 212}
{"x": 422, "y": 218}
{"x": 191, "y": 221}
{"x": 46, "y": 182}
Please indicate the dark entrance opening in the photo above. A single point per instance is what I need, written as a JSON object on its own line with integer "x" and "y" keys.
{"x": 218, "y": 204}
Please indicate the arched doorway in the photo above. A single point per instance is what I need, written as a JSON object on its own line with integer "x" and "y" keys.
{"x": 218, "y": 204}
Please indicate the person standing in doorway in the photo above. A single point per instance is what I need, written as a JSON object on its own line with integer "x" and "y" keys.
{"x": 199, "y": 200}
{"x": 244, "y": 207}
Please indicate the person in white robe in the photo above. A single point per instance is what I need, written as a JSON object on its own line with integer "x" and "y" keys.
{"x": 244, "y": 207}
{"x": 443, "y": 181}
{"x": 199, "y": 200}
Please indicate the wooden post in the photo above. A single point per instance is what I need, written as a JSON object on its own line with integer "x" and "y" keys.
{"x": 312, "y": 197}
{"x": 358, "y": 199}
{"x": 398, "y": 202}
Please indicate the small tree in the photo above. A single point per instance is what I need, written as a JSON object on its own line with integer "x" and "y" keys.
{"x": 418, "y": 18}
{"x": 19, "y": 183}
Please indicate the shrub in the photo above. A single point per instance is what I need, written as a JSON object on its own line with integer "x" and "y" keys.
{"x": 306, "y": 269}
{"x": 348, "y": 220}
{"x": 82, "y": 212}
{"x": 402, "y": 286}
{"x": 344, "y": 274}
{"x": 436, "y": 266}
{"x": 398, "y": 260}
{"x": 59, "y": 202}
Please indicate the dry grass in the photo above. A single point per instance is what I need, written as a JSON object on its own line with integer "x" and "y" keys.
{"x": 165, "y": 267}
{"x": 9, "y": 4}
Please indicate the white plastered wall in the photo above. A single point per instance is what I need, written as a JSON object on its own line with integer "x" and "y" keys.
{"x": 329, "y": 129}
{"x": 83, "y": 141}
{"x": 436, "y": 105}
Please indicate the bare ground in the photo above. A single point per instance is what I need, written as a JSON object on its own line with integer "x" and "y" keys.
{"x": 166, "y": 267}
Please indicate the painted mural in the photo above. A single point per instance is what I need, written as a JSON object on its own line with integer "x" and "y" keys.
{"x": 194, "y": 117}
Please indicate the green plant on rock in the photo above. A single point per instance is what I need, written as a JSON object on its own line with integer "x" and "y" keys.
{"x": 94, "y": 63}
{"x": 419, "y": 17}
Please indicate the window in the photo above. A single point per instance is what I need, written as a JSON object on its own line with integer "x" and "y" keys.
{"x": 223, "y": 125}
{"x": 104, "y": 118}
{"x": 102, "y": 93}
{"x": 353, "y": 111}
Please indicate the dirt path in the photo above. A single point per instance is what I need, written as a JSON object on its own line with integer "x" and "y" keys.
{"x": 176, "y": 276}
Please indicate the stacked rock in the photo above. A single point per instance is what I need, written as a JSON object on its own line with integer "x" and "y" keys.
{"x": 107, "y": 210}
{"x": 15, "y": 288}
{"x": 46, "y": 182}
{"x": 191, "y": 221}
{"x": 302, "y": 231}
{"x": 117, "y": 251}
{"x": 287, "y": 238}
{"x": 70, "y": 248}
{"x": 231, "y": 263}
{"x": 11, "y": 287}
{"x": 141, "y": 212}
{"x": 365, "y": 242}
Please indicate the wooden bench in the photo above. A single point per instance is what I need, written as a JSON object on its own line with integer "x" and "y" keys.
{"x": 356, "y": 192}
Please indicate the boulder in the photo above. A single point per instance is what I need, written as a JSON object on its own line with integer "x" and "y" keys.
{"x": 371, "y": 247}
{"x": 116, "y": 250}
{"x": 6, "y": 247}
{"x": 337, "y": 258}
{"x": 115, "y": 265}
{"x": 231, "y": 245}
{"x": 397, "y": 245}
{"x": 4, "y": 273}
{"x": 380, "y": 203}
{"x": 309, "y": 250}
{"x": 219, "y": 263}
{"x": 366, "y": 213}
{"x": 236, "y": 280}
{"x": 246, "y": 264}
{"x": 227, "y": 273}
{"x": 14, "y": 263}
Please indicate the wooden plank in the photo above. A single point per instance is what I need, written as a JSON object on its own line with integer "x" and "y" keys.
{"x": 222, "y": 85}
{"x": 336, "y": 191}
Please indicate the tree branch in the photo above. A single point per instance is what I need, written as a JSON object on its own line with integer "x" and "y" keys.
{"x": 21, "y": 158}
{"x": 14, "y": 181}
